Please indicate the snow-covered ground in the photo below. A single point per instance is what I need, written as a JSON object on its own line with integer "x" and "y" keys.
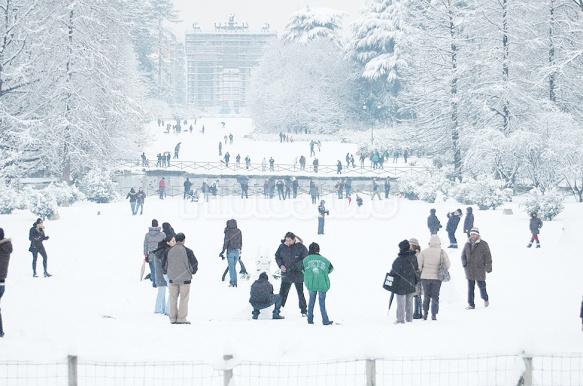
{"x": 96, "y": 306}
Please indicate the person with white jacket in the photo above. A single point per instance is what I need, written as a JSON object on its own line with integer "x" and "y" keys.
{"x": 428, "y": 260}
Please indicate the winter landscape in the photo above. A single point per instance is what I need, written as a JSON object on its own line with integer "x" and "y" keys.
{"x": 96, "y": 307}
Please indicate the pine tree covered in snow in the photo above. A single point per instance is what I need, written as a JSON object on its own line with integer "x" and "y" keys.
{"x": 311, "y": 24}
{"x": 8, "y": 199}
{"x": 98, "y": 186}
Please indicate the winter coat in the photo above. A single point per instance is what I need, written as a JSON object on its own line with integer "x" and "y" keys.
{"x": 313, "y": 190}
{"x": 452, "y": 222}
{"x": 316, "y": 270}
{"x": 36, "y": 236}
{"x": 404, "y": 270}
{"x": 477, "y": 260}
{"x": 469, "y": 221}
{"x": 535, "y": 225}
{"x": 5, "y": 251}
{"x": 375, "y": 186}
{"x": 132, "y": 196}
{"x": 433, "y": 222}
{"x": 429, "y": 259}
{"x": 152, "y": 238}
{"x": 261, "y": 292}
{"x": 161, "y": 256}
{"x": 291, "y": 256}
{"x": 180, "y": 264}
{"x": 322, "y": 212}
{"x": 233, "y": 236}
{"x": 140, "y": 196}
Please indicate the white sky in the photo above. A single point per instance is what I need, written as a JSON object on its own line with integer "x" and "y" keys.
{"x": 254, "y": 12}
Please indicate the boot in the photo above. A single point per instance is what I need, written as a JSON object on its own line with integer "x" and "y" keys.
{"x": 529, "y": 245}
{"x": 538, "y": 245}
{"x": 47, "y": 274}
{"x": 277, "y": 316}
{"x": 434, "y": 317}
{"x": 34, "y": 274}
{"x": 424, "y": 315}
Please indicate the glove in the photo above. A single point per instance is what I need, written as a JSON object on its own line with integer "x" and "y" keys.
{"x": 46, "y": 238}
{"x": 222, "y": 255}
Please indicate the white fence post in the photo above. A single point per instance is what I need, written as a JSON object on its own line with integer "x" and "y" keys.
{"x": 72, "y": 370}
{"x": 371, "y": 372}
{"x": 228, "y": 372}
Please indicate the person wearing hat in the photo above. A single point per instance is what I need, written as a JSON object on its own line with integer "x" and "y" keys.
{"x": 262, "y": 296}
{"x": 535, "y": 225}
{"x": 322, "y": 212}
{"x": 433, "y": 222}
{"x": 316, "y": 270}
{"x": 36, "y": 235}
{"x": 429, "y": 260}
{"x": 404, "y": 270}
{"x": 469, "y": 221}
{"x": 477, "y": 261}
{"x": 5, "y": 251}
{"x": 452, "y": 223}
{"x": 289, "y": 258}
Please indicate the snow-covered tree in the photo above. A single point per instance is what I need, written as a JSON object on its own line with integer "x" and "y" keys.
{"x": 310, "y": 24}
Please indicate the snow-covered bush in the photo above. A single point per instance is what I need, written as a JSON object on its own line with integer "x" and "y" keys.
{"x": 8, "y": 199}
{"x": 98, "y": 186}
{"x": 38, "y": 202}
{"x": 547, "y": 205}
{"x": 485, "y": 194}
{"x": 63, "y": 193}
{"x": 421, "y": 187}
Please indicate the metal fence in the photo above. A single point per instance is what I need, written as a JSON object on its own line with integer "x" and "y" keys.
{"x": 476, "y": 370}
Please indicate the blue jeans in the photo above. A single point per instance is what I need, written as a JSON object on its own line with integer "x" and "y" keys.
{"x": 133, "y": 206}
{"x": 275, "y": 299}
{"x": 322, "y": 302}
{"x": 140, "y": 206}
{"x": 1, "y": 293}
{"x": 161, "y": 304}
{"x": 472, "y": 286}
{"x": 232, "y": 258}
{"x": 320, "y": 225}
{"x": 452, "y": 239}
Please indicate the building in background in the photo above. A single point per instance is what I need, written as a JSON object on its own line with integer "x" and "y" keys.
{"x": 219, "y": 65}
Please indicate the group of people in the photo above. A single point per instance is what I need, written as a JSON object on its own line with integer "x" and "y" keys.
{"x": 172, "y": 266}
{"x": 416, "y": 274}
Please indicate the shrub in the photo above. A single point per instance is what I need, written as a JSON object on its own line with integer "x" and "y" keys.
{"x": 98, "y": 186}
{"x": 8, "y": 199}
{"x": 422, "y": 187}
{"x": 63, "y": 193}
{"x": 41, "y": 204}
{"x": 485, "y": 194}
{"x": 547, "y": 205}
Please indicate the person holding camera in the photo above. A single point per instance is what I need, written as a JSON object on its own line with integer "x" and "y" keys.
{"x": 36, "y": 235}
{"x": 322, "y": 212}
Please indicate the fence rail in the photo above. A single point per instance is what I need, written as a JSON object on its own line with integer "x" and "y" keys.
{"x": 520, "y": 370}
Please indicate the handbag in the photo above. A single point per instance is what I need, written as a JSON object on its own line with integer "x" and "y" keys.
{"x": 442, "y": 272}
{"x": 388, "y": 283}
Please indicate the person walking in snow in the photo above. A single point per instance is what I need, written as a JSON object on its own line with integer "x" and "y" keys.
{"x": 162, "y": 305}
{"x": 404, "y": 270}
{"x": 375, "y": 189}
{"x": 469, "y": 221}
{"x": 271, "y": 163}
{"x": 262, "y": 297}
{"x": 179, "y": 265}
{"x": 162, "y": 188}
{"x": 322, "y": 212}
{"x": 315, "y": 163}
{"x": 220, "y": 148}
{"x": 5, "y": 251}
{"x": 280, "y": 193}
{"x": 313, "y": 191}
{"x": 316, "y": 271}
{"x": 477, "y": 261}
{"x": 132, "y": 196}
{"x": 177, "y": 150}
{"x": 535, "y": 225}
{"x": 433, "y": 222}
{"x": 289, "y": 258}
{"x": 452, "y": 223}
{"x": 151, "y": 240}
{"x": 187, "y": 185}
{"x": 339, "y": 167}
{"x": 140, "y": 198}
{"x": 227, "y": 158}
{"x": 429, "y": 260}
{"x": 232, "y": 244}
{"x": 387, "y": 186}
{"x": 36, "y": 236}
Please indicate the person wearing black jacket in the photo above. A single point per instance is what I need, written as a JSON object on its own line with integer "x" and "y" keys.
{"x": 5, "y": 251}
{"x": 36, "y": 235}
{"x": 404, "y": 270}
{"x": 233, "y": 244}
{"x": 289, "y": 258}
{"x": 262, "y": 296}
{"x": 535, "y": 225}
{"x": 452, "y": 223}
{"x": 469, "y": 221}
{"x": 433, "y": 222}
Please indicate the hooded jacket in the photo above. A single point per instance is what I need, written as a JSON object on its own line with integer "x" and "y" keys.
{"x": 36, "y": 235}
{"x": 535, "y": 224}
{"x": 261, "y": 292}
{"x": 291, "y": 256}
{"x": 5, "y": 251}
{"x": 404, "y": 270}
{"x": 429, "y": 259}
{"x": 152, "y": 238}
{"x": 453, "y": 221}
{"x": 233, "y": 236}
{"x": 469, "y": 221}
{"x": 433, "y": 222}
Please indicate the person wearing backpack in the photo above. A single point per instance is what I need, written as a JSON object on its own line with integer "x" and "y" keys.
{"x": 429, "y": 260}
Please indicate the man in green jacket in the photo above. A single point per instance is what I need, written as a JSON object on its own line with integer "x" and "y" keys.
{"x": 316, "y": 270}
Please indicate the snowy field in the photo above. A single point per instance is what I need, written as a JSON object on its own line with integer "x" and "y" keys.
{"x": 95, "y": 306}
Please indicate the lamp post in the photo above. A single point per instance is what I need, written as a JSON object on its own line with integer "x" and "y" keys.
{"x": 365, "y": 107}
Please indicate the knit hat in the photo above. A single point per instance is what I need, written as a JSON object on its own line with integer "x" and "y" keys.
{"x": 475, "y": 231}
{"x": 404, "y": 246}
{"x": 263, "y": 276}
{"x": 414, "y": 241}
{"x": 314, "y": 248}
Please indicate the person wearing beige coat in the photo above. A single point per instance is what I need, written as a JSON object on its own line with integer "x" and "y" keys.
{"x": 428, "y": 260}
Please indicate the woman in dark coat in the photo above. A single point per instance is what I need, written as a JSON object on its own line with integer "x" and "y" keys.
{"x": 5, "y": 251}
{"x": 404, "y": 270}
{"x": 535, "y": 225}
{"x": 36, "y": 235}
